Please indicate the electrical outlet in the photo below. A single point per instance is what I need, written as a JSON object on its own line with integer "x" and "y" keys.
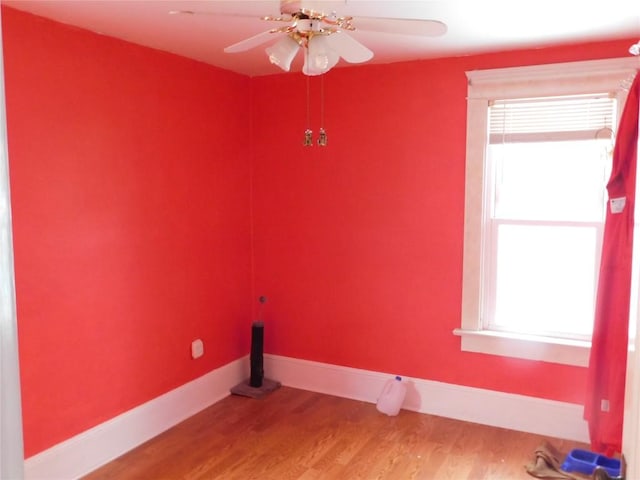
{"x": 197, "y": 349}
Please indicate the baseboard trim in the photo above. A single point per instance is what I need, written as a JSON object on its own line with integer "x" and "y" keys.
{"x": 506, "y": 410}
{"x": 91, "y": 449}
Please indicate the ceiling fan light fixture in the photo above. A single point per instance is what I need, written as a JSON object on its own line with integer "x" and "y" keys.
{"x": 283, "y": 52}
{"x": 320, "y": 57}
{"x": 323, "y": 36}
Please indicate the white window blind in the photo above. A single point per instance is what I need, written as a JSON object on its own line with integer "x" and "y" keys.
{"x": 574, "y": 117}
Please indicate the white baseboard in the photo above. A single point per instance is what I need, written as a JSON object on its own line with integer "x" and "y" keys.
{"x": 506, "y": 410}
{"x": 87, "y": 451}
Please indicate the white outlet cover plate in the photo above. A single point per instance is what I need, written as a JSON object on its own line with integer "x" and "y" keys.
{"x": 197, "y": 349}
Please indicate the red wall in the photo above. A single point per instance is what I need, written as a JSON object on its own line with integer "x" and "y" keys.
{"x": 130, "y": 176}
{"x": 130, "y": 194}
{"x": 359, "y": 244}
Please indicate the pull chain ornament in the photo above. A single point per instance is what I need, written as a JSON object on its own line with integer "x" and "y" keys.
{"x": 322, "y": 138}
{"x": 308, "y": 138}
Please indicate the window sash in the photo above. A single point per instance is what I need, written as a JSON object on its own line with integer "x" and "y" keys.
{"x": 517, "y": 171}
{"x": 490, "y": 281}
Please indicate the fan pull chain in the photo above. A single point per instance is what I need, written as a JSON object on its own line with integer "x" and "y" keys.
{"x": 322, "y": 136}
{"x": 308, "y": 134}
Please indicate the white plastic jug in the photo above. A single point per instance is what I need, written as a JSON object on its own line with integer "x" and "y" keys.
{"x": 392, "y": 397}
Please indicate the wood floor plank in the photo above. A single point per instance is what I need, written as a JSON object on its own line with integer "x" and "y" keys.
{"x": 298, "y": 435}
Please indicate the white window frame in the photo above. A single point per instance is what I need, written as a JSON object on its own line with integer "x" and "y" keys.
{"x": 518, "y": 82}
{"x": 11, "y": 439}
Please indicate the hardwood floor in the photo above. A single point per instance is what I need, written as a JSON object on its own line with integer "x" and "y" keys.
{"x": 295, "y": 434}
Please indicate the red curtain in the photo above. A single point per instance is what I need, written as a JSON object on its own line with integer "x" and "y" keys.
{"x": 604, "y": 405}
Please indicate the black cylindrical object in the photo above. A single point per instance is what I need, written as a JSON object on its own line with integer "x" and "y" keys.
{"x": 257, "y": 366}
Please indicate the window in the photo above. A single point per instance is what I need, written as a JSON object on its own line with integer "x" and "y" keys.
{"x": 547, "y": 166}
{"x": 538, "y": 140}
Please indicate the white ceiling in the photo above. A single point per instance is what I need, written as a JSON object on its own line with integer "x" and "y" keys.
{"x": 474, "y": 26}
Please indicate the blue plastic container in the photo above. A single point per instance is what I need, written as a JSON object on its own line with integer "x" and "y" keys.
{"x": 584, "y": 461}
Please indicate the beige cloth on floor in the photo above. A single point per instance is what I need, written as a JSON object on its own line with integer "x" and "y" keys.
{"x": 547, "y": 464}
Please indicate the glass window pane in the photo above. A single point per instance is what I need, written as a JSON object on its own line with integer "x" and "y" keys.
{"x": 545, "y": 279}
{"x": 550, "y": 180}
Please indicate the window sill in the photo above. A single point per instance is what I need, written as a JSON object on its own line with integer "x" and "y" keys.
{"x": 545, "y": 349}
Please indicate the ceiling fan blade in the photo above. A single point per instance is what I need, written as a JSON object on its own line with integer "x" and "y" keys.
{"x": 401, "y": 26}
{"x": 228, "y": 8}
{"x": 348, "y": 47}
{"x": 251, "y": 42}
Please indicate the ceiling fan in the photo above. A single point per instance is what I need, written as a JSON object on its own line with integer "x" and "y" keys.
{"x": 323, "y": 36}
